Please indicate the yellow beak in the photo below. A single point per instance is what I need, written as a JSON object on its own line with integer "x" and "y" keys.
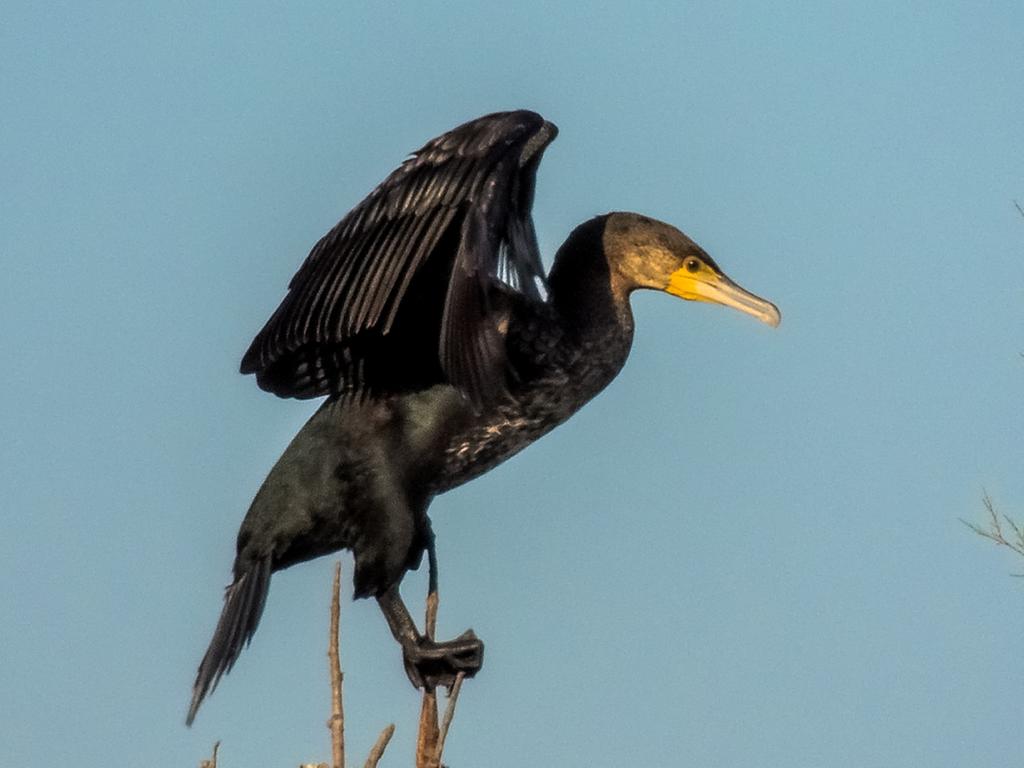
{"x": 714, "y": 287}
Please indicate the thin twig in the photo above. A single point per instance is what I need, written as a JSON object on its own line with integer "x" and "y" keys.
{"x": 378, "y": 748}
{"x": 1017, "y": 206}
{"x": 336, "y": 724}
{"x": 449, "y": 713}
{"x": 212, "y": 762}
{"x": 994, "y": 531}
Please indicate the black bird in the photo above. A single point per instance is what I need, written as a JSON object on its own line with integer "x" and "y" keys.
{"x": 426, "y": 320}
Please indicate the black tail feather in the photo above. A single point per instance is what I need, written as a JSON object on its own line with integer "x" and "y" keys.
{"x": 243, "y": 606}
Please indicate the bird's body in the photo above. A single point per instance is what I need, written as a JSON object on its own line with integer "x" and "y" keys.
{"x": 357, "y": 455}
{"x": 420, "y": 318}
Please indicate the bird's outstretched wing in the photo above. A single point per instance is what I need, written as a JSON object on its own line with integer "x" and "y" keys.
{"x": 398, "y": 295}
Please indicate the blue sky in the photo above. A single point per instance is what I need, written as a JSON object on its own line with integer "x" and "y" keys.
{"x": 746, "y": 552}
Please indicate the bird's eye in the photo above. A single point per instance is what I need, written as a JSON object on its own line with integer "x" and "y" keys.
{"x": 692, "y": 265}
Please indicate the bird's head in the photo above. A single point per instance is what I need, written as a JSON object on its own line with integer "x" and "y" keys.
{"x": 646, "y": 253}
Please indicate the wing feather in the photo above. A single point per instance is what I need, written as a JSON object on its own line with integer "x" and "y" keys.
{"x": 395, "y": 296}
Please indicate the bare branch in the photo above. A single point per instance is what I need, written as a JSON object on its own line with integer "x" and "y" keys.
{"x": 1017, "y": 206}
{"x": 449, "y": 713}
{"x": 378, "y": 748}
{"x": 426, "y": 736}
{"x": 336, "y": 724}
{"x": 431, "y": 625}
{"x": 212, "y": 762}
{"x": 1016, "y": 531}
{"x": 994, "y": 530}
{"x": 431, "y": 736}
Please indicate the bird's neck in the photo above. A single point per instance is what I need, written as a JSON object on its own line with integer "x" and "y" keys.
{"x": 592, "y": 305}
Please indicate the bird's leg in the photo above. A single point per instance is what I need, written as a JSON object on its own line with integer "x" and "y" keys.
{"x": 428, "y": 663}
{"x": 431, "y": 561}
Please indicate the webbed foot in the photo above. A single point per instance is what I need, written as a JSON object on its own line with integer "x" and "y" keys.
{"x": 430, "y": 664}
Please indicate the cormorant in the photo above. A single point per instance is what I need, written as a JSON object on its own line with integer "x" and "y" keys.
{"x": 426, "y": 320}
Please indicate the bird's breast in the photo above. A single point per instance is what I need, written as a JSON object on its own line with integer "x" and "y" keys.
{"x": 536, "y": 405}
